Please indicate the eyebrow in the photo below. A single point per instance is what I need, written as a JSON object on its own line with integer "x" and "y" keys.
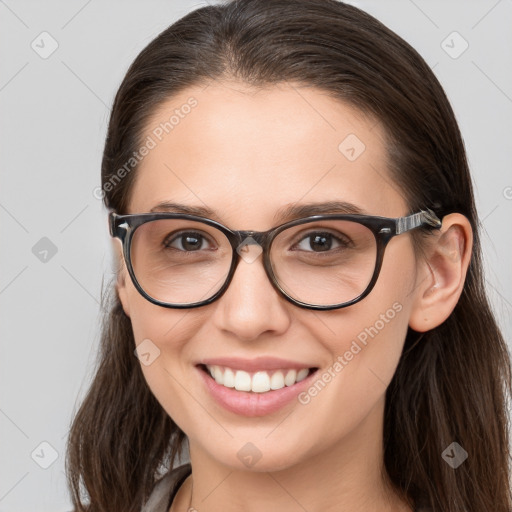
{"x": 284, "y": 214}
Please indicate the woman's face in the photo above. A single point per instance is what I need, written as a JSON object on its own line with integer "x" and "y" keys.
{"x": 247, "y": 154}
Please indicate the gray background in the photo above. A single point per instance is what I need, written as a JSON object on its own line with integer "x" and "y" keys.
{"x": 53, "y": 122}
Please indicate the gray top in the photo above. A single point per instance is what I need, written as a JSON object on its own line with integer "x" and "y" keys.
{"x": 167, "y": 487}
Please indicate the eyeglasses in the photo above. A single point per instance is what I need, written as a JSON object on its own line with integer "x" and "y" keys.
{"x": 320, "y": 262}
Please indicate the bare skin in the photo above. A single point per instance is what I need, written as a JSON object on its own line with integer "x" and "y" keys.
{"x": 246, "y": 153}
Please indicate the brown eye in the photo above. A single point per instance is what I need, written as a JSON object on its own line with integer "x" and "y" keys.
{"x": 322, "y": 242}
{"x": 186, "y": 241}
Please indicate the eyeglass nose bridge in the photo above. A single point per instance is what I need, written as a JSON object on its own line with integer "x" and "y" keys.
{"x": 242, "y": 240}
{"x": 253, "y": 237}
{"x": 262, "y": 239}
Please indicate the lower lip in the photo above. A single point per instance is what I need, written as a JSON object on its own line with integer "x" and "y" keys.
{"x": 248, "y": 403}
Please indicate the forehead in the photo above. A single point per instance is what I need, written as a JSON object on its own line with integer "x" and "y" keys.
{"x": 246, "y": 152}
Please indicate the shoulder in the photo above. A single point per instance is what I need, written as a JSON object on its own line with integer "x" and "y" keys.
{"x": 165, "y": 489}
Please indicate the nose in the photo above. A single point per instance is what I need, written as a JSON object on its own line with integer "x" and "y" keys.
{"x": 251, "y": 306}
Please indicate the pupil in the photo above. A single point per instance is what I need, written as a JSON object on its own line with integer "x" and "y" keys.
{"x": 321, "y": 242}
{"x": 190, "y": 242}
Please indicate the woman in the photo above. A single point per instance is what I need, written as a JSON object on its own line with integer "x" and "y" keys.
{"x": 299, "y": 305}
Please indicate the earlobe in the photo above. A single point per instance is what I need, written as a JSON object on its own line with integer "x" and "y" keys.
{"x": 444, "y": 267}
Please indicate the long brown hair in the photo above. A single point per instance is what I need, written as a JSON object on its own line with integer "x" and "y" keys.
{"x": 452, "y": 385}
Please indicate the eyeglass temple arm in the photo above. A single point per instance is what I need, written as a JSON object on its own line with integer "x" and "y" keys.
{"x": 424, "y": 217}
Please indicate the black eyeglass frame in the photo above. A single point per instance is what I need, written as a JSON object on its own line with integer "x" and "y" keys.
{"x": 383, "y": 228}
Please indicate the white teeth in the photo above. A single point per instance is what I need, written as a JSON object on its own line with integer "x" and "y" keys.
{"x": 302, "y": 374}
{"x": 229, "y": 378}
{"x": 277, "y": 381}
{"x": 289, "y": 380}
{"x": 258, "y": 382}
{"x": 218, "y": 375}
{"x": 242, "y": 381}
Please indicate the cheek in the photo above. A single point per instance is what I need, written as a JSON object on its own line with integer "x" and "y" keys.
{"x": 168, "y": 328}
{"x": 384, "y": 315}
{"x": 365, "y": 346}
{"x": 161, "y": 336}
{"x": 365, "y": 341}
{"x": 383, "y": 330}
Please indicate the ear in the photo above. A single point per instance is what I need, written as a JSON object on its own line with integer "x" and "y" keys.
{"x": 122, "y": 277}
{"x": 441, "y": 273}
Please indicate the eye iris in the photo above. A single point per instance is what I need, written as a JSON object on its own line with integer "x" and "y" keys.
{"x": 191, "y": 242}
{"x": 320, "y": 242}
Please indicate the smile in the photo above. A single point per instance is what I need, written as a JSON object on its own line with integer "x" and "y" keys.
{"x": 256, "y": 392}
{"x": 260, "y": 381}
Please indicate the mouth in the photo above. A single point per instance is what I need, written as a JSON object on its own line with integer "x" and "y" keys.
{"x": 255, "y": 393}
{"x": 257, "y": 382}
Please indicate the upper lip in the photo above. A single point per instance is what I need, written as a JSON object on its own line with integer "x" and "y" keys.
{"x": 255, "y": 364}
